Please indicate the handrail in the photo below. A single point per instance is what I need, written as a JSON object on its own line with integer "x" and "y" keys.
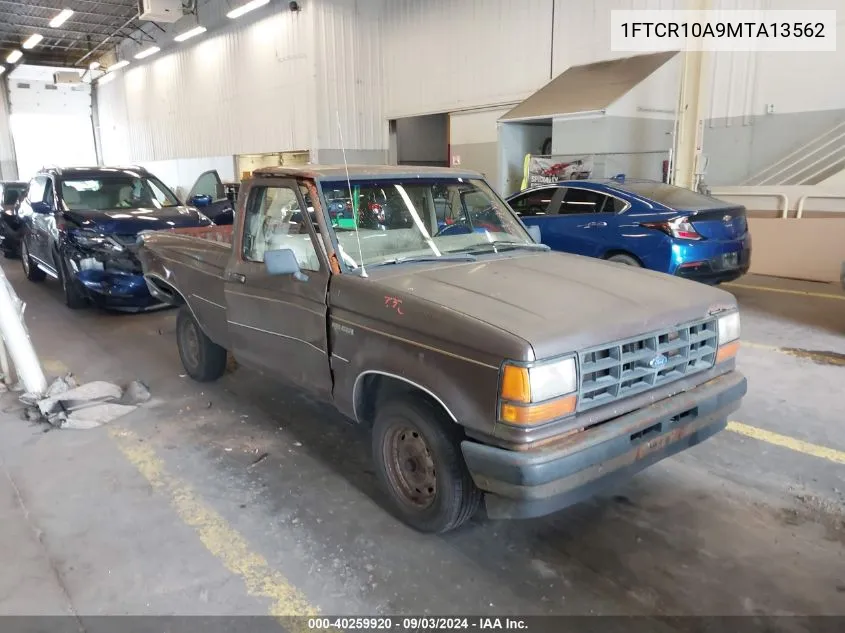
{"x": 763, "y": 182}
{"x": 793, "y": 153}
{"x": 782, "y": 197}
{"x": 799, "y": 211}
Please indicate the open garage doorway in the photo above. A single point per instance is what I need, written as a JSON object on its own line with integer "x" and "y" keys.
{"x": 420, "y": 140}
{"x": 50, "y": 119}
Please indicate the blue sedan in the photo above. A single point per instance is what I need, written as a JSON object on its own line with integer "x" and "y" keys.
{"x": 641, "y": 223}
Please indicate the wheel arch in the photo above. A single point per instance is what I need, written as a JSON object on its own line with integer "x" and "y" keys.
{"x": 373, "y": 385}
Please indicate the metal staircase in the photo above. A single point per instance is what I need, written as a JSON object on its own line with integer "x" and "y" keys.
{"x": 809, "y": 164}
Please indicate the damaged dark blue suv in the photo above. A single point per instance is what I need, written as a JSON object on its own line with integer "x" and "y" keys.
{"x": 80, "y": 226}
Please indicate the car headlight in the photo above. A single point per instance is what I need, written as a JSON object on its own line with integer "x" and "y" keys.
{"x": 92, "y": 239}
{"x": 536, "y": 394}
{"x": 729, "y": 331}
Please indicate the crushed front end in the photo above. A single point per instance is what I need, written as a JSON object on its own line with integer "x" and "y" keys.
{"x": 108, "y": 269}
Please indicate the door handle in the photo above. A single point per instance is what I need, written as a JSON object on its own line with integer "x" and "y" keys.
{"x": 594, "y": 225}
{"x": 238, "y": 277}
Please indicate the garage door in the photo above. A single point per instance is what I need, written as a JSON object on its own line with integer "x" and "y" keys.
{"x": 51, "y": 124}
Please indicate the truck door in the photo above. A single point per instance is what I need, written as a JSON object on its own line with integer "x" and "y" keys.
{"x": 209, "y": 196}
{"x": 278, "y": 323}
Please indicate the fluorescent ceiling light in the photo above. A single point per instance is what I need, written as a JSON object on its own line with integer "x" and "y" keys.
{"x": 197, "y": 30}
{"x": 246, "y": 8}
{"x": 94, "y": 65}
{"x": 33, "y": 40}
{"x": 117, "y": 66}
{"x": 61, "y": 18}
{"x": 14, "y": 56}
{"x": 152, "y": 50}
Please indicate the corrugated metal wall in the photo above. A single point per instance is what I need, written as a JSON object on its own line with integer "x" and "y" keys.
{"x": 8, "y": 167}
{"x": 240, "y": 90}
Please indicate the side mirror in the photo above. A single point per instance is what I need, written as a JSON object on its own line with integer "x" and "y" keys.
{"x": 200, "y": 201}
{"x": 282, "y": 261}
{"x": 41, "y": 207}
{"x": 535, "y": 233}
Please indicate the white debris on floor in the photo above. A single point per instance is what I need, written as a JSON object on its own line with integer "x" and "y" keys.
{"x": 69, "y": 405}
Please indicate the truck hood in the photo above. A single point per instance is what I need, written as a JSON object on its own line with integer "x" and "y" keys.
{"x": 560, "y": 303}
{"x": 131, "y": 221}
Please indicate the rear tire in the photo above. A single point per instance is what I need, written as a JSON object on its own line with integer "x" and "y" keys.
{"x": 202, "y": 358}
{"x": 624, "y": 259}
{"x": 417, "y": 453}
{"x": 30, "y": 268}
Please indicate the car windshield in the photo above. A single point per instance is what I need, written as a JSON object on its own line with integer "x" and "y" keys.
{"x": 411, "y": 218}
{"x": 116, "y": 191}
{"x": 13, "y": 193}
{"x": 671, "y": 196}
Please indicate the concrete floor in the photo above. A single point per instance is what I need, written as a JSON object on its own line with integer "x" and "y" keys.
{"x": 243, "y": 497}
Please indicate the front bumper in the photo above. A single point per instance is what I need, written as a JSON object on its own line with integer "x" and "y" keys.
{"x": 535, "y": 483}
{"x": 117, "y": 290}
{"x": 10, "y": 233}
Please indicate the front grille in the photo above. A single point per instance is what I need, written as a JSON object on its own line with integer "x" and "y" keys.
{"x": 631, "y": 366}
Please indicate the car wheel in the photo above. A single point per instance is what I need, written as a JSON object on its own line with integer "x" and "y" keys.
{"x": 75, "y": 298}
{"x": 202, "y": 358}
{"x": 624, "y": 259}
{"x": 30, "y": 268}
{"x": 417, "y": 453}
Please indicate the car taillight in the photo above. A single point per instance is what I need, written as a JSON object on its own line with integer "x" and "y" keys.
{"x": 680, "y": 228}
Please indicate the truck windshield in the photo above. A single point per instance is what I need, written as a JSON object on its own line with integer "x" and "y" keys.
{"x": 118, "y": 191}
{"x": 400, "y": 220}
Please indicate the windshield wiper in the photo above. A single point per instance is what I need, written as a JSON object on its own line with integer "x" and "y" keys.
{"x": 496, "y": 244}
{"x": 457, "y": 257}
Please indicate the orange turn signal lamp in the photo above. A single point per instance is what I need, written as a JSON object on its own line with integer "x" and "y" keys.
{"x": 727, "y": 351}
{"x": 516, "y": 406}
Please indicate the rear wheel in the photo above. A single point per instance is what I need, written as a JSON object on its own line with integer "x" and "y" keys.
{"x": 418, "y": 458}
{"x": 30, "y": 268}
{"x": 203, "y": 359}
{"x": 621, "y": 258}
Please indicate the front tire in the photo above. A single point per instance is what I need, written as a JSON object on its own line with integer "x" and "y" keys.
{"x": 202, "y": 358}
{"x": 75, "y": 298}
{"x": 416, "y": 450}
{"x": 30, "y": 268}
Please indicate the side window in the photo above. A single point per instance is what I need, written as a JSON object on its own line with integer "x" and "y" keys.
{"x": 36, "y": 189}
{"x": 209, "y": 185}
{"x": 614, "y": 205}
{"x": 582, "y": 201}
{"x": 48, "y": 193}
{"x": 274, "y": 221}
{"x": 534, "y": 202}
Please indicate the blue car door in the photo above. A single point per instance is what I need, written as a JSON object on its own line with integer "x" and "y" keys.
{"x": 583, "y": 222}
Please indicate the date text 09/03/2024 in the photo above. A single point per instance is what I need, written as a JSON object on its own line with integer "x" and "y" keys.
{"x": 416, "y": 623}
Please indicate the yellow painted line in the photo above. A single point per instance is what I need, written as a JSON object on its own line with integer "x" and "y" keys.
{"x": 799, "y": 446}
{"x": 803, "y": 293}
{"x": 218, "y": 537}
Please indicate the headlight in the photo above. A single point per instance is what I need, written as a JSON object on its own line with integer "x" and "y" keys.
{"x": 729, "y": 331}
{"x": 92, "y": 239}
{"x": 728, "y": 328}
{"x": 537, "y": 394}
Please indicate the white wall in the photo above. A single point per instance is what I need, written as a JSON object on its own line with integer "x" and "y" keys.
{"x": 276, "y": 81}
{"x": 181, "y": 174}
{"x": 8, "y": 166}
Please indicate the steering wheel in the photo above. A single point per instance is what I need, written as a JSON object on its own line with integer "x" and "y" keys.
{"x": 459, "y": 227}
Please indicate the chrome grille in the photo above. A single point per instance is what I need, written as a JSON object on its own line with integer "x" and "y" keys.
{"x": 627, "y": 367}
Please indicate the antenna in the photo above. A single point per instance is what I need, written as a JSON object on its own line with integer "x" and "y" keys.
{"x": 351, "y": 196}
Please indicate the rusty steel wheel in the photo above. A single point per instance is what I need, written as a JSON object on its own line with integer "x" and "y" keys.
{"x": 417, "y": 454}
{"x": 410, "y": 466}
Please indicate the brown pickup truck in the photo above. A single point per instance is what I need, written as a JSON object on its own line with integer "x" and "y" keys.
{"x": 486, "y": 368}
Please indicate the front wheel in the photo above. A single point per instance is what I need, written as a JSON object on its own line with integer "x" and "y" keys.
{"x": 30, "y": 268}
{"x": 418, "y": 458}
{"x": 75, "y": 298}
{"x": 203, "y": 359}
